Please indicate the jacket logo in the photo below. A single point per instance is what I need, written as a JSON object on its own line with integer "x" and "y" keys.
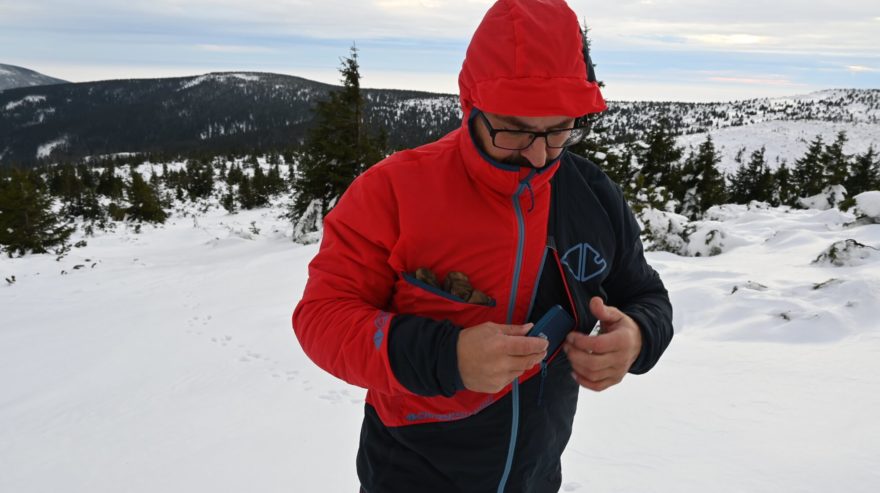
{"x": 380, "y": 321}
{"x": 584, "y": 262}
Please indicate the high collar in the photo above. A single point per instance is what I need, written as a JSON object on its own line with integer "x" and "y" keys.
{"x": 501, "y": 178}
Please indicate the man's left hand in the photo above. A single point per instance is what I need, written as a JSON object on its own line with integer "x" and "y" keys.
{"x": 602, "y": 361}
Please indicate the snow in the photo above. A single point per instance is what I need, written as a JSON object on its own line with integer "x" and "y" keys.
{"x": 218, "y": 77}
{"x": 194, "y": 82}
{"x": 33, "y": 99}
{"x": 829, "y": 198}
{"x": 783, "y": 140}
{"x": 167, "y": 363}
{"x": 848, "y": 253}
{"x": 868, "y": 204}
{"x": 45, "y": 150}
{"x": 246, "y": 77}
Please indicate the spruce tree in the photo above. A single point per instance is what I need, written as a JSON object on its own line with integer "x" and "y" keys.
{"x": 144, "y": 201}
{"x": 110, "y": 185}
{"x": 199, "y": 178}
{"x": 27, "y": 222}
{"x": 836, "y": 163}
{"x": 785, "y": 191}
{"x": 752, "y": 181}
{"x": 246, "y": 194}
{"x": 865, "y": 173}
{"x": 228, "y": 200}
{"x": 660, "y": 157}
{"x": 809, "y": 171}
{"x": 702, "y": 181}
{"x": 260, "y": 187}
{"x": 339, "y": 146}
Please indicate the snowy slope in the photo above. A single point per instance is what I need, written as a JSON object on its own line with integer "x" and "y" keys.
{"x": 167, "y": 363}
{"x": 783, "y": 140}
{"x": 12, "y": 76}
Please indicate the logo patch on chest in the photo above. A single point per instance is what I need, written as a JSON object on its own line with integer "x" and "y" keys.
{"x": 584, "y": 262}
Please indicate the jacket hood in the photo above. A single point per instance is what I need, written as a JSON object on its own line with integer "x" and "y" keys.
{"x": 527, "y": 59}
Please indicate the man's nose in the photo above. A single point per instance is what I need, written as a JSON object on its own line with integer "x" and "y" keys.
{"x": 537, "y": 152}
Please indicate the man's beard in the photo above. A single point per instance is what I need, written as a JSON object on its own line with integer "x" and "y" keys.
{"x": 522, "y": 162}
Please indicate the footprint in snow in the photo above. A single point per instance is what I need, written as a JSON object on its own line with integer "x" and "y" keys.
{"x": 571, "y": 486}
{"x": 332, "y": 396}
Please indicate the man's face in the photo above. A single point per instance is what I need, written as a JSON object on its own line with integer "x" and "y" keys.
{"x": 537, "y": 154}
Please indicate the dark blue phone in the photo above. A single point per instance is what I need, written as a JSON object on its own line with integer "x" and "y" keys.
{"x": 553, "y": 326}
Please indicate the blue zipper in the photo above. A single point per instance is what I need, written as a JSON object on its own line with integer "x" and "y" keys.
{"x": 537, "y": 283}
{"x": 520, "y": 221}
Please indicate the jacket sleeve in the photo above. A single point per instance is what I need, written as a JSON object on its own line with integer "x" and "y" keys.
{"x": 342, "y": 321}
{"x": 636, "y": 289}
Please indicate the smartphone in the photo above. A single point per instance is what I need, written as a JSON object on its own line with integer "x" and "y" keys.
{"x": 553, "y": 326}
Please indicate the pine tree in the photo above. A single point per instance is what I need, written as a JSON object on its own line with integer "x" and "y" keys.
{"x": 235, "y": 174}
{"x": 110, "y": 185}
{"x": 865, "y": 173}
{"x": 246, "y": 194}
{"x": 27, "y": 222}
{"x": 228, "y": 200}
{"x": 260, "y": 187}
{"x": 615, "y": 162}
{"x": 809, "y": 171}
{"x": 660, "y": 158}
{"x": 199, "y": 179}
{"x": 785, "y": 191}
{"x": 339, "y": 146}
{"x": 702, "y": 181}
{"x": 144, "y": 200}
{"x": 836, "y": 163}
{"x": 276, "y": 183}
{"x": 752, "y": 181}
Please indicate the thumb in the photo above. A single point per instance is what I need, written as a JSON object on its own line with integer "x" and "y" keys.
{"x": 603, "y": 312}
{"x": 516, "y": 330}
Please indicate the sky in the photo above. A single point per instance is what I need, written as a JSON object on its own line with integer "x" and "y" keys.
{"x": 680, "y": 50}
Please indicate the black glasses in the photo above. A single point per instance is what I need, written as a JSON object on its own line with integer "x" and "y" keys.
{"x": 517, "y": 140}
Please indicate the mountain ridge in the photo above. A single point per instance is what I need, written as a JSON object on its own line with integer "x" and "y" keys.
{"x": 13, "y": 76}
{"x": 260, "y": 111}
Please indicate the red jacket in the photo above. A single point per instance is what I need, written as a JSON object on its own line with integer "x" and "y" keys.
{"x": 443, "y": 206}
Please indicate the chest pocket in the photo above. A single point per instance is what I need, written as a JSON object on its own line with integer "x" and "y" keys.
{"x": 414, "y": 297}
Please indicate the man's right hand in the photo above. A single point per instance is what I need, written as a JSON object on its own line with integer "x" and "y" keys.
{"x": 491, "y": 355}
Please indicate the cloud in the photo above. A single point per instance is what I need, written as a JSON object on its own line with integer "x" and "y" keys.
{"x": 683, "y": 42}
{"x": 728, "y": 39}
{"x": 234, "y": 48}
{"x": 861, "y": 68}
{"x": 760, "y": 81}
{"x": 408, "y": 4}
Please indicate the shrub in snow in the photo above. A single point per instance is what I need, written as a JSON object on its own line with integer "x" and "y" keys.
{"x": 868, "y": 205}
{"x": 847, "y": 253}
{"x": 308, "y": 227}
{"x": 832, "y": 196}
{"x": 670, "y": 232}
{"x": 706, "y": 239}
{"x": 663, "y": 231}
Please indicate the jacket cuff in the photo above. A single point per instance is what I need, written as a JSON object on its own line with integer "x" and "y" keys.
{"x": 645, "y": 361}
{"x": 423, "y": 354}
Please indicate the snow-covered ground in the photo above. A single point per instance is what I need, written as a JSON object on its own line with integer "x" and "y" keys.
{"x": 166, "y": 362}
{"x": 783, "y": 140}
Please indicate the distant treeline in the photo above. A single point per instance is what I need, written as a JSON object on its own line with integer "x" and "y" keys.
{"x": 40, "y": 207}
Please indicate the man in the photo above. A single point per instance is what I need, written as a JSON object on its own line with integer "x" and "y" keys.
{"x": 459, "y": 398}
